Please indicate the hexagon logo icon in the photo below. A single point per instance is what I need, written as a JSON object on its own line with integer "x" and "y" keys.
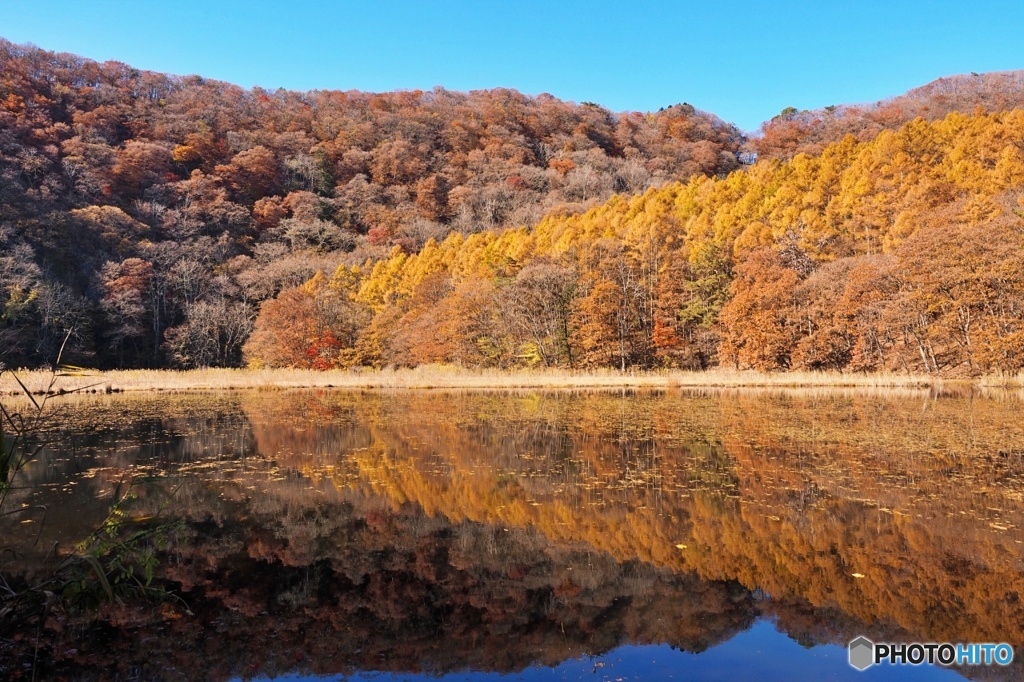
{"x": 862, "y": 653}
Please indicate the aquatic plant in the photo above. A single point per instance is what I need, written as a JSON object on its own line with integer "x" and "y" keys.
{"x": 117, "y": 561}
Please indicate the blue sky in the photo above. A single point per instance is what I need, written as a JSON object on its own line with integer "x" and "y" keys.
{"x": 744, "y": 61}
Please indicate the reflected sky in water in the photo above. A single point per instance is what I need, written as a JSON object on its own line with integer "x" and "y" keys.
{"x": 762, "y": 653}
{"x": 546, "y": 535}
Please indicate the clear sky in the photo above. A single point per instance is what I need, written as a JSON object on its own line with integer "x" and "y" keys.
{"x": 744, "y": 61}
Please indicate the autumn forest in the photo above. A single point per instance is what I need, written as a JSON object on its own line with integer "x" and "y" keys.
{"x": 149, "y": 220}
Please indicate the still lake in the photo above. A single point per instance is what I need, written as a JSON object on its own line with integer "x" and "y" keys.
{"x": 674, "y": 534}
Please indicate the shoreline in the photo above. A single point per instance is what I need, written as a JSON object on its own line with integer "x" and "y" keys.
{"x": 428, "y": 377}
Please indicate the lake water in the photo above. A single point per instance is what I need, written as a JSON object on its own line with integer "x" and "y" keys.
{"x": 711, "y": 535}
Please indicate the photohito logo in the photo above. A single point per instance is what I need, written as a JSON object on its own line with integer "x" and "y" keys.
{"x": 864, "y": 653}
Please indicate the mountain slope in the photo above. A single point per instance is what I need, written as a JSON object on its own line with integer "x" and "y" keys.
{"x": 903, "y": 253}
{"x": 793, "y": 132}
{"x": 134, "y": 204}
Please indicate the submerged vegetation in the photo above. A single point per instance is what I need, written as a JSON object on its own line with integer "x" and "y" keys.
{"x": 412, "y": 532}
{"x": 114, "y": 561}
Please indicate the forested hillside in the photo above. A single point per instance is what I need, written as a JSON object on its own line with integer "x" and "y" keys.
{"x": 794, "y": 131}
{"x": 903, "y": 253}
{"x": 151, "y": 214}
{"x": 176, "y": 221}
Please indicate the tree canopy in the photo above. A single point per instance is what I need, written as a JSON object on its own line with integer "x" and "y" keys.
{"x": 157, "y": 220}
{"x": 903, "y": 253}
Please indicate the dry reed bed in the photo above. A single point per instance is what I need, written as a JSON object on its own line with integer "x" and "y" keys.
{"x": 1003, "y": 380}
{"x": 430, "y": 376}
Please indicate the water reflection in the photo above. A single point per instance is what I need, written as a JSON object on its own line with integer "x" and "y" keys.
{"x": 438, "y": 532}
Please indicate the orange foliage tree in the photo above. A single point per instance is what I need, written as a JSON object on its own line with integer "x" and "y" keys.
{"x": 312, "y": 326}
